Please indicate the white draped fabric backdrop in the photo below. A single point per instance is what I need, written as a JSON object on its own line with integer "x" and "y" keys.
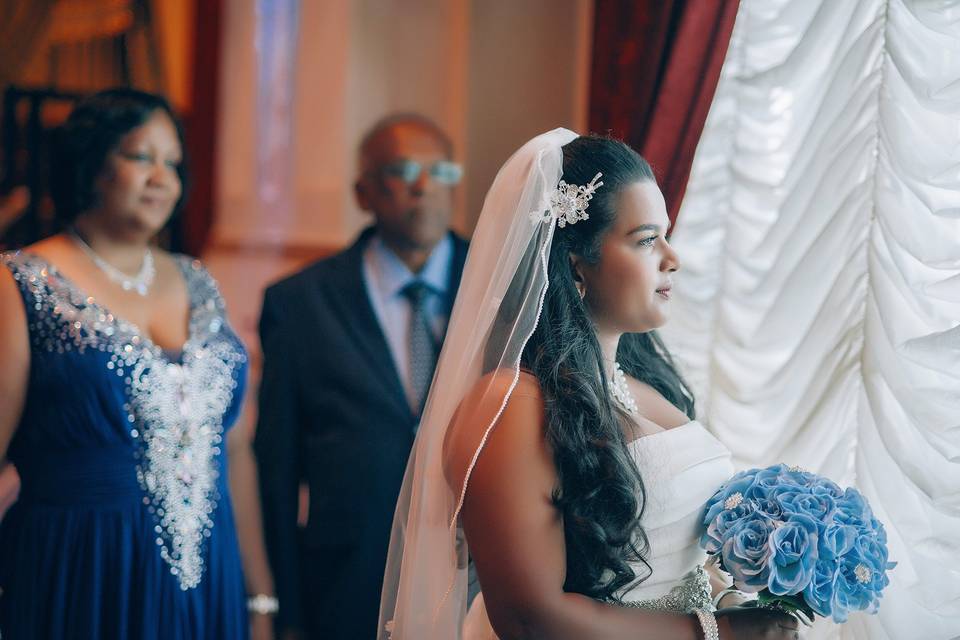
{"x": 817, "y": 311}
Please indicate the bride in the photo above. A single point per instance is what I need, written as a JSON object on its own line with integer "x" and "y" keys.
{"x": 558, "y": 451}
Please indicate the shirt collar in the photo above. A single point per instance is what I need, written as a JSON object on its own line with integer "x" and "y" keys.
{"x": 394, "y": 275}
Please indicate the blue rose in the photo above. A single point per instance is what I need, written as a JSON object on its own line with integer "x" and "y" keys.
{"x": 819, "y": 506}
{"x": 738, "y": 484}
{"x": 794, "y": 554}
{"x": 827, "y": 486}
{"x": 852, "y": 509}
{"x": 818, "y": 593}
{"x": 861, "y": 577}
{"x": 850, "y": 594}
{"x": 766, "y": 480}
{"x": 837, "y": 540}
{"x": 874, "y": 554}
{"x": 769, "y": 507}
{"x": 712, "y": 537}
{"x": 746, "y": 551}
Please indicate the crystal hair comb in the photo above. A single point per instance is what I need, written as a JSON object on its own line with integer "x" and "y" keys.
{"x": 567, "y": 204}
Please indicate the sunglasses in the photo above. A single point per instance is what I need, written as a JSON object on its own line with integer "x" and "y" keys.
{"x": 443, "y": 171}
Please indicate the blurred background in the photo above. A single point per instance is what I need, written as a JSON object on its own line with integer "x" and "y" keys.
{"x": 275, "y": 96}
{"x": 809, "y": 151}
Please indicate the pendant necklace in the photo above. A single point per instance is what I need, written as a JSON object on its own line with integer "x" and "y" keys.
{"x": 139, "y": 283}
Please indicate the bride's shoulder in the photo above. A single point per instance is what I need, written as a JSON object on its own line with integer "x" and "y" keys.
{"x": 518, "y": 384}
{"x": 504, "y": 403}
{"x": 528, "y": 386}
{"x": 493, "y": 388}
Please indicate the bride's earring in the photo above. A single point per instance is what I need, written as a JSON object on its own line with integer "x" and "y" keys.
{"x": 578, "y": 278}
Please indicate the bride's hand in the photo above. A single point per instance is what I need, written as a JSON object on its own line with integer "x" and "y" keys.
{"x": 751, "y": 623}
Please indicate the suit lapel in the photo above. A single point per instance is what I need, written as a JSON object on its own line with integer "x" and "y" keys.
{"x": 456, "y": 269}
{"x": 346, "y": 293}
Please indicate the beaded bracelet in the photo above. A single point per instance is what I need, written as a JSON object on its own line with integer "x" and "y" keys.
{"x": 263, "y": 604}
{"x": 708, "y": 623}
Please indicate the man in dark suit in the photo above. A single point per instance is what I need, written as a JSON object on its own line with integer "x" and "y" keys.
{"x": 349, "y": 347}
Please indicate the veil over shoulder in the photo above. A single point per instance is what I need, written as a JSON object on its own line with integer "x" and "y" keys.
{"x": 496, "y": 311}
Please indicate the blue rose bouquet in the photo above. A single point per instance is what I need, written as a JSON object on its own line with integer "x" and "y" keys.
{"x": 798, "y": 541}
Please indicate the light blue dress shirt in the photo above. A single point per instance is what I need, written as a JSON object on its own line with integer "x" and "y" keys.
{"x": 385, "y": 276}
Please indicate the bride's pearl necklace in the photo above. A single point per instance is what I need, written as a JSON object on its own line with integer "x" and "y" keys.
{"x": 139, "y": 283}
{"x": 621, "y": 392}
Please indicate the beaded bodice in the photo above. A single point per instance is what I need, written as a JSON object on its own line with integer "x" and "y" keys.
{"x": 101, "y": 390}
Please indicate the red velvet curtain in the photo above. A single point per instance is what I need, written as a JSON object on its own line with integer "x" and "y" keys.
{"x": 654, "y": 71}
{"x": 201, "y": 127}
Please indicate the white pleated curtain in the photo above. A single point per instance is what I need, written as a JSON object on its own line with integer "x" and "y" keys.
{"x": 817, "y": 311}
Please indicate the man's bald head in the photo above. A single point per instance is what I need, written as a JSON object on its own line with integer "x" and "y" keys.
{"x": 384, "y": 130}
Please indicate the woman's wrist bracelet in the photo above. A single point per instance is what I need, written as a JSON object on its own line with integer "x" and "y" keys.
{"x": 263, "y": 604}
{"x": 708, "y": 622}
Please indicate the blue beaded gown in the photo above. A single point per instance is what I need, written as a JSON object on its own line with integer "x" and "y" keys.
{"x": 123, "y": 527}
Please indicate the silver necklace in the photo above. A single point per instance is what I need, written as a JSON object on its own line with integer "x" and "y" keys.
{"x": 621, "y": 392}
{"x": 139, "y": 283}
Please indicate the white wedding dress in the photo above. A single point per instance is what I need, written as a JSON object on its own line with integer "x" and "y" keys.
{"x": 681, "y": 469}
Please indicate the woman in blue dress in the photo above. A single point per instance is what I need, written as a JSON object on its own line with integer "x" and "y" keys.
{"x": 121, "y": 378}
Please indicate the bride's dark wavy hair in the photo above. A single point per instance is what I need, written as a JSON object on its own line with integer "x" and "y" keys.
{"x": 601, "y": 493}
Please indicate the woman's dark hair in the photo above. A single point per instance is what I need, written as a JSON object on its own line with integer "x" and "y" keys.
{"x": 94, "y": 129}
{"x": 601, "y": 493}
